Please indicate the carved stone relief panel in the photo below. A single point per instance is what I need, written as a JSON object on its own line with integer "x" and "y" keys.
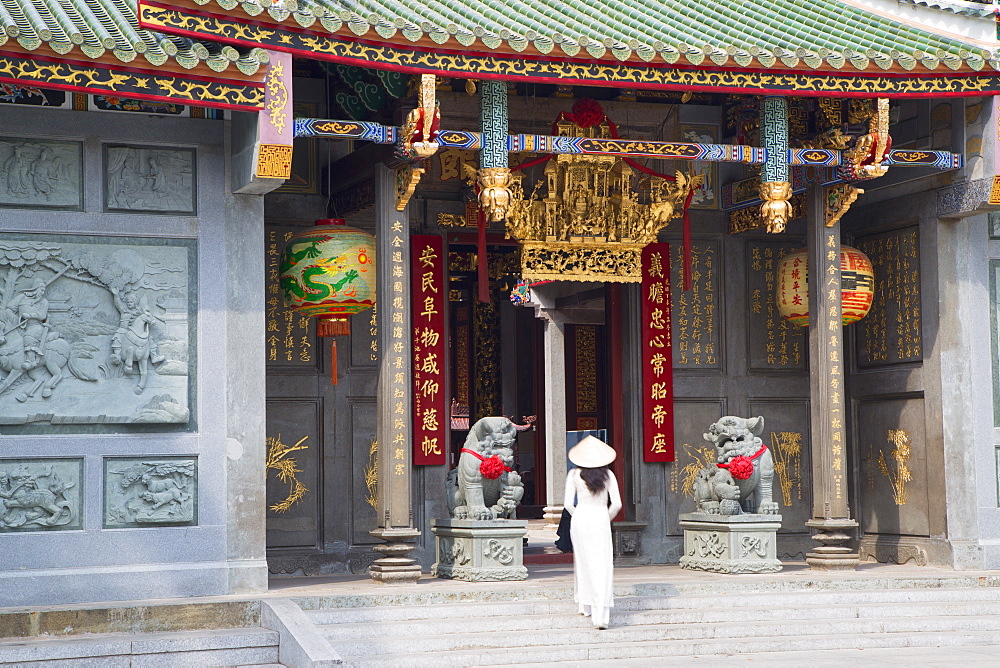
{"x": 150, "y": 491}
{"x": 146, "y": 178}
{"x": 995, "y": 340}
{"x": 95, "y": 330}
{"x": 41, "y": 174}
{"x": 41, "y": 494}
{"x": 894, "y": 481}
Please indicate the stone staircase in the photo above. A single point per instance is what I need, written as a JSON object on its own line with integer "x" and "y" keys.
{"x": 218, "y": 647}
{"x": 726, "y": 617}
{"x": 146, "y": 633}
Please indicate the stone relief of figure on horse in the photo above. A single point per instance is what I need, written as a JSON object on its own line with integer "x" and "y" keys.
{"x": 161, "y": 491}
{"x": 29, "y": 346}
{"x": 62, "y": 305}
{"x": 131, "y": 343}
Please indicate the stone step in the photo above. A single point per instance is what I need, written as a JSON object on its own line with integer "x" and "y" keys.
{"x": 225, "y": 647}
{"x": 700, "y": 603}
{"x": 732, "y": 587}
{"x": 644, "y": 653}
{"x": 739, "y": 628}
{"x": 561, "y": 616}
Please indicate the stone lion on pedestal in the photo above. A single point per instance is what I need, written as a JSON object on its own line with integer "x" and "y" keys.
{"x": 484, "y": 486}
{"x": 744, "y": 464}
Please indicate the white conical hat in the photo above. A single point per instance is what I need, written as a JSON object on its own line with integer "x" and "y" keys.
{"x": 592, "y": 453}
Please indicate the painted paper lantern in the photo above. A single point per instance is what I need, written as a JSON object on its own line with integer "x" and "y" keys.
{"x": 328, "y": 272}
{"x": 857, "y": 286}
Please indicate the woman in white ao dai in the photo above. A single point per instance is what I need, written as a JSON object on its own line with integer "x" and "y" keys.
{"x": 592, "y": 506}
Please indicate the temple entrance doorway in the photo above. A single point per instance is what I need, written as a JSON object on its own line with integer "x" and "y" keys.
{"x": 320, "y": 428}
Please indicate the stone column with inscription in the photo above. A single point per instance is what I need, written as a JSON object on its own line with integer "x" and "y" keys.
{"x": 394, "y": 401}
{"x": 831, "y": 516}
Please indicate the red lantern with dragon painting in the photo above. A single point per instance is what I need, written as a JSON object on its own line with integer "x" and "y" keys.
{"x": 857, "y": 286}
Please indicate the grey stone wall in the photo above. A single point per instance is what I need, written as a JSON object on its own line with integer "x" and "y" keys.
{"x": 949, "y": 512}
{"x": 190, "y": 493}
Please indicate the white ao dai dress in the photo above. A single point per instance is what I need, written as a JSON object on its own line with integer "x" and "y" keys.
{"x": 593, "y": 557}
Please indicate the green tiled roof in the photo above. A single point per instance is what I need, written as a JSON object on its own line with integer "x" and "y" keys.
{"x": 820, "y": 35}
{"x": 98, "y": 29}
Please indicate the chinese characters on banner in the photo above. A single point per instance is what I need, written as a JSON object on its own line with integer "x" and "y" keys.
{"x": 657, "y": 358}
{"x": 428, "y": 290}
{"x": 775, "y": 343}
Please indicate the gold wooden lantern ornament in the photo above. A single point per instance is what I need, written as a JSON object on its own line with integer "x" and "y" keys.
{"x": 857, "y": 286}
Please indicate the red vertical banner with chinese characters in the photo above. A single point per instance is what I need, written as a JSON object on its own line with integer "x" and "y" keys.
{"x": 429, "y": 291}
{"x": 657, "y": 356}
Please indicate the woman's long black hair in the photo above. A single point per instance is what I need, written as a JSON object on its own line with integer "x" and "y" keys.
{"x": 596, "y": 479}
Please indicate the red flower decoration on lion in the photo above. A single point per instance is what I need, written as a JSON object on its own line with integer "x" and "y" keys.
{"x": 493, "y": 467}
{"x": 740, "y": 467}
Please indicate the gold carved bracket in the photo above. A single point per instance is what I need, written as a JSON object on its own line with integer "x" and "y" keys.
{"x": 495, "y": 192}
{"x": 839, "y": 199}
{"x": 418, "y": 140}
{"x": 421, "y": 127}
{"x": 407, "y": 178}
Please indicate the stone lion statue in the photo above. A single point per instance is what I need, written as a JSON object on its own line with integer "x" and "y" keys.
{"x": 747, "y": 466}
{"x": 483, "y": 486}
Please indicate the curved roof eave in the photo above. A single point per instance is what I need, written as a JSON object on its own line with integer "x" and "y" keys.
{"x": 821, "y": 35}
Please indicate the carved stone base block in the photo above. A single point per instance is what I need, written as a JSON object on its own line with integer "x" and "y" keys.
{"x": 730, "y": 543}
{"x": 916, "y": 550}
{"x": 627, "y": 540}
{"x": 395, "y": 567}
{"x": 480, "y": 550}
{"x": 832, "y": 554}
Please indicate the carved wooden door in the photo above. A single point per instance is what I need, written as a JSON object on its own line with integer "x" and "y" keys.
{"x": 319, "y": 434}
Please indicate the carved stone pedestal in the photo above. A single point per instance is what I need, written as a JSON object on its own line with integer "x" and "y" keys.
{"x": 395, "y": 567}
{"x": 627, "y": 540}
{"x": 832, "y": 554}
{"x": 480, "y": 550}
{"x": 730, "y": 543}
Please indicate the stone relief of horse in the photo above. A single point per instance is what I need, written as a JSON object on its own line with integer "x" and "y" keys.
{"x": 46, "y": 371}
